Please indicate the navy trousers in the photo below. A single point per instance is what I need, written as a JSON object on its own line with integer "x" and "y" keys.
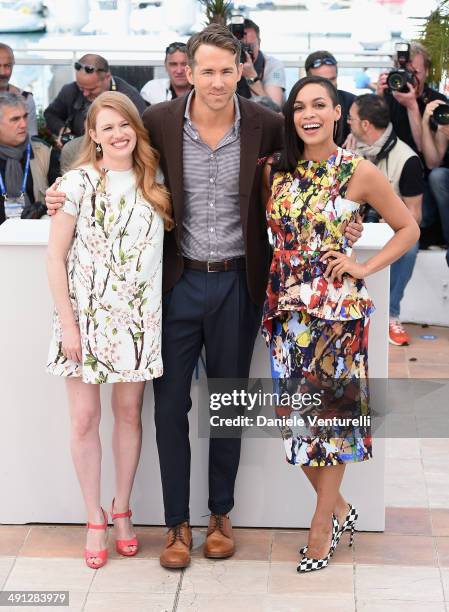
{"x": 214, "y": 310}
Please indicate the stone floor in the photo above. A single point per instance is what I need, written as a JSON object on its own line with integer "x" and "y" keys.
{"x": 406, "y": 568}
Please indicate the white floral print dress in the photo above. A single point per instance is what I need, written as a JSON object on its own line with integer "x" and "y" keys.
{"x": 114, "y": 270}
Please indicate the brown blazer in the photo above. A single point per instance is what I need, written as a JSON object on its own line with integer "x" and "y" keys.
{"x": 260, "y": 136}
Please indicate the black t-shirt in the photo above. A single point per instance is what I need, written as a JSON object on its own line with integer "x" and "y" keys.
{"x": 411, "y": 182}
{"x": 399, "y": 116}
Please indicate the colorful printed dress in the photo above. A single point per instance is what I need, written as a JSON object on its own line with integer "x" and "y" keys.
{"x": 114, "y": 271}
{"x": 317, "y": 331}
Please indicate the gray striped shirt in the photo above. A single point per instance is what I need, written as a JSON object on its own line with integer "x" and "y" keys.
{"x": 212, "y": 229}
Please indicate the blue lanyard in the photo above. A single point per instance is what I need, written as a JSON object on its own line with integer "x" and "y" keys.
{"x": 25, "y": 174}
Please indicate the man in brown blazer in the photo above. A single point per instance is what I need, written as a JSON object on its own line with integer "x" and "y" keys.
{"x": 213, "y": 146}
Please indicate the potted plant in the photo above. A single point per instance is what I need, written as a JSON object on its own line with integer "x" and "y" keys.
{"x": 217, "y": 11}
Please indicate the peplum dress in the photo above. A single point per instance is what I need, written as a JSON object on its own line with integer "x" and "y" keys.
{"x": 316, "y": 330}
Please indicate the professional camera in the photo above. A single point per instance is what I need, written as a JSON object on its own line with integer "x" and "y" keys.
{"x": 237, "y": 27}
{"x": 441, "y": 114}
{"x": 34, "y": 210}
{"x": 370, "y": 214}
{"x": 398, "y": 79}
{"x": 65, "y": 138}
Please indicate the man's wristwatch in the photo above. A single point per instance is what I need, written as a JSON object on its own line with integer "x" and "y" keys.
{"x": 252, "y": 80}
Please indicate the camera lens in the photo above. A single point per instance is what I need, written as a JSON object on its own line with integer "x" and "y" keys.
{"x": 396, "y": 81}
{"x": 441, "y": 114}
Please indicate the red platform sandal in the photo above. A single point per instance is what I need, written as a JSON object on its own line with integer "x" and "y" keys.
{"x": 99, "y": 554}
{"x": 121, "y": 545}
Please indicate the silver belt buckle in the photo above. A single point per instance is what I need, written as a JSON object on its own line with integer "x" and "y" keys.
{"x": 209, "y": 263}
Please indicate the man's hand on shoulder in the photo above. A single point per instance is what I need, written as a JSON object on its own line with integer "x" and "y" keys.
{"x": 54, "y": 199}
{"x": 354, "y": 230}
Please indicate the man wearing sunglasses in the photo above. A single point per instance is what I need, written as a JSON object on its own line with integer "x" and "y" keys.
{"x": 176, "y": 84}
{"x": 65, "y": 115}
{"x": 324, "y": 64}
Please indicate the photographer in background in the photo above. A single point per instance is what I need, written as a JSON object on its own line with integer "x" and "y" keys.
{"x": 66, "y": 114}
{"x": 263, "y": 75}
{"x": 406, "y": 108}
{"x": 27, "y": 166}
{"x": 369, "y": 120}
{"x": 435, "y": 148}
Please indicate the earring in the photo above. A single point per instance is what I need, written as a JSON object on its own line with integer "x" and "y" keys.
{"x": 98, "y": 148}
{"x": 335, "y": 129}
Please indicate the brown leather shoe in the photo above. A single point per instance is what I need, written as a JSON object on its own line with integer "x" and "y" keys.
{"x": 219, "y": 542}
{"x": 176, "y": 553}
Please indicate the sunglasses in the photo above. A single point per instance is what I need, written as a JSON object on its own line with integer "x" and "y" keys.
{"x": 176, "y": 46}
{"x": 323, "y": 61}
{"x": 87, "y": 68}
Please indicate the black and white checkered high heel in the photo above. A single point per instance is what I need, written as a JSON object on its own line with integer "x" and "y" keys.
{"x": 348, "y": 525}
{"x": 308, "y": 564}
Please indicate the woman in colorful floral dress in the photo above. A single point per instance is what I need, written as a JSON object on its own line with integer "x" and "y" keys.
{"x": 316, "y": 314}
{"x": 105, "y": 274}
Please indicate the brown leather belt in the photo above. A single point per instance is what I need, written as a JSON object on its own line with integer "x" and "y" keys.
{"x": 227, "y": 265}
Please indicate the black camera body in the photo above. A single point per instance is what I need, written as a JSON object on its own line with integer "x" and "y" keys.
{"x": 65, "y": 138}
{"x": 441, "y": 114}
{"x": 399, "y": 78}
{"x": 370, "y": 214}
{"x": 237, "y": 28}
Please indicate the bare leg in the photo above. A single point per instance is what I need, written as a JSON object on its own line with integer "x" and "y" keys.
{"x": 85, "y": 414}
{"x": 341, "y": 507}
{"x": 328, "y": 481}
{"x": 126, "y": 444}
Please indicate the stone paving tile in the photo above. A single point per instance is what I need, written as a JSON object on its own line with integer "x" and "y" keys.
{"x": 445, "y": 581}
{"x": 54, "y": 541}
{"x": 387, "y": 549}
{"x": 405, "y": 484}
{"x": 31, "y": 573}
{"x": 128, "y": 602}
{"x": 223, "y": 577}
{"x": 420, "y": 584}
{"x": 396, "y": 605}
{"x": 409, "y": 521}
{"x": 440, "y": 521}
{"x": 6, "y": 564}
{"x": 262, "y": 603}
{"x": 12, "y": 538}
{"x": 136, "y": 576}
{"x": 442, "y": 546}
{"x": 402, "y": 448}
{"x": 335, "y": 581}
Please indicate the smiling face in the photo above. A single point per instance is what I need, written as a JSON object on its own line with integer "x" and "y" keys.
{"x": 314, "y": 114}
{"x": 215, "y": 75}
{"x": 115, "y": 135}
{"x": 13, "y": 125}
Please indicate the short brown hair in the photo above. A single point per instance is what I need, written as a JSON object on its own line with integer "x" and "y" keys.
{"x": 217, "y": 36}
{"x": 417, "y": 48}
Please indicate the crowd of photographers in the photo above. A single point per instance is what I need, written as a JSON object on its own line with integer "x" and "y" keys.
{"x": 403, "y": 128}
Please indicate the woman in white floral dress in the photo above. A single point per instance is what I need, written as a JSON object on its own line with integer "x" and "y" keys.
{"x": 105, "y": 274}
